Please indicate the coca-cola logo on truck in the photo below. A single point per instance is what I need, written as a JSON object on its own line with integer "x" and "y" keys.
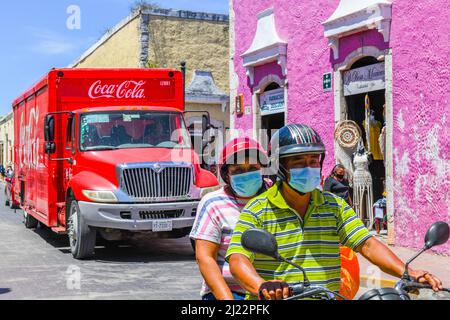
{"x": 128, "y": 89}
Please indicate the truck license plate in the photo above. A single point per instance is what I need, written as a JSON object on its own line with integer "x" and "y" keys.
{"x": 162, "y": 225}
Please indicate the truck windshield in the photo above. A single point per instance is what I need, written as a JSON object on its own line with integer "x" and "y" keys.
{"x": 132, "y": 129}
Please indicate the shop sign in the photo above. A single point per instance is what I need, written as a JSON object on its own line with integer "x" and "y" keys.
{"x": 365, "y": 79}
{"x": 272, "y": 101}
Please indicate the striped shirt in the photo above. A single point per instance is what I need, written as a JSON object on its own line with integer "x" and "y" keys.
{"x": 312, "y": 242}
{"x": 217, "y": 215}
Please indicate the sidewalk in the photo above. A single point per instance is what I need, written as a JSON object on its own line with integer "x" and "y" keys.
{"x": 436, "y": 264}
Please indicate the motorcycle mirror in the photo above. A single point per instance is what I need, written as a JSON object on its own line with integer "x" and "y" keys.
{"x": 260, "y": 241}
{"x": 263, "y": 242}
{"x": 437, "y": 234}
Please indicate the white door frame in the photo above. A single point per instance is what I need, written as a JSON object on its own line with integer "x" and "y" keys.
{"x": 340, "y": 107}
{"x": 257, "y": 90}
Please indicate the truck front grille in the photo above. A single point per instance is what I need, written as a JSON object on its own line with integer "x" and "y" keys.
{"x": 155, "y": 215}
{"x": 148, "y": 184}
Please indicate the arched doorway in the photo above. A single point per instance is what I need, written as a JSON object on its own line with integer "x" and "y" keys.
{"x": 364, "y": 87}
{"x": 356, "y": 112}
{"x": 272, "y": 106}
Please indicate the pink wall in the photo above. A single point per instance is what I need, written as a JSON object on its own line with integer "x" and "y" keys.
{"x": 308, "y": 58}
{"x": 352, "y": 42}
{"x": 421, "y": 49}
{"x": 269, "y": 68}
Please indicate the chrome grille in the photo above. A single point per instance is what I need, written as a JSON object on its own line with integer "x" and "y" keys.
{"x": 155, "y": 215}
{"x": 148, "y": 184}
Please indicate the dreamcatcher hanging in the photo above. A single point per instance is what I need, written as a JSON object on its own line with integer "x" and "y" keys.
{"x": 346, "y": 137}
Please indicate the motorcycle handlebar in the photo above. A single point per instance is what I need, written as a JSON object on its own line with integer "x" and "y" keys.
{"x": 300, "y": 292}
{"x": 297, "y": 289}
{"x": 411, "y": 285}
{"x": 417, "y": 285}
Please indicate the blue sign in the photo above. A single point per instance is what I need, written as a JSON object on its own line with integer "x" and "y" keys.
{"x": 272, "y": 102}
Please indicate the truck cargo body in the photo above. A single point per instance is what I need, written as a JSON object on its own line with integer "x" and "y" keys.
{"x": 106, "y": 150}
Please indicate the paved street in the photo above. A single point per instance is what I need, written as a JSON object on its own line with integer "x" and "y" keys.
{"x": 37, "y": 264}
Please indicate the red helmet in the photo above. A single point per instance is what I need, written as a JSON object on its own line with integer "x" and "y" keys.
{"x": 236, "y": 146}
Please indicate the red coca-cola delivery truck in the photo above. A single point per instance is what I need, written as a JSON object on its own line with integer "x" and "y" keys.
{"x": 105, "y": 152}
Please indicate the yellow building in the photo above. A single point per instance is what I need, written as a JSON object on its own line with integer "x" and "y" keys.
{"x": 163, "y": 38}
{"x": 7, "y": 140}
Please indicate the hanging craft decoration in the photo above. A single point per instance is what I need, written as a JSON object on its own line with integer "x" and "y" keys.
{"x": 347, "y": 134}
{"x": 367, "y": 121}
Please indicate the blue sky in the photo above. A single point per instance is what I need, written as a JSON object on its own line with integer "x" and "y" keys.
{"x": 35, "y": 38}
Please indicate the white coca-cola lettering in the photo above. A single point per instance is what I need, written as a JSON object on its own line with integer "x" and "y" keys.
{"x": 126, "y": 90}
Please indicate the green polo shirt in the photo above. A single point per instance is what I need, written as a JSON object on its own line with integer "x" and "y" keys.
{"x": 312, "y": 242}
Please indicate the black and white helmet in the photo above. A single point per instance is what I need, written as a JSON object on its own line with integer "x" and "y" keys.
{"x": 295, "y": 139}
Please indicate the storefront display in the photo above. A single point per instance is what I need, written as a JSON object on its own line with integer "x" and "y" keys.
{"x": 375, "y": 127}
{"x": 362, "y": 187}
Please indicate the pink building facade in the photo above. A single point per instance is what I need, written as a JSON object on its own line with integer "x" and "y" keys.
{"x": 314, "y": 62}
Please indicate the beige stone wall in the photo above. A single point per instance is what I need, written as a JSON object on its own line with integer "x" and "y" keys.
{"x": 7, "y": 140}
{"x": 121, "y": 50}
{"x": 203, "y": 45}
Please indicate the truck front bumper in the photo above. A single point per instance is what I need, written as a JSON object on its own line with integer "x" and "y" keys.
{"x": 112, "y": 215}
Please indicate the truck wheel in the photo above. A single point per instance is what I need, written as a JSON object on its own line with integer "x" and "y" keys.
{"x": 7, "y": 203}
{"x": 81, "y": 236}
{"x": 29, "y": 221}
{"x": 14, "y": 205}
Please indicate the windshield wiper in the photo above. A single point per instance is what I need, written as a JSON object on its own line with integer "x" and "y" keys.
{"x": 101, "y": 148}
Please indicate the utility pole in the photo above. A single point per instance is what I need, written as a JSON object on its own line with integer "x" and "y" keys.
{"x": 183, "y": 70}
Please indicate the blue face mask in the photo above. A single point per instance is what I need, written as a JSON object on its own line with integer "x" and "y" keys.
{"x": 247, "y": 184}
{"x": 305, "y": 180}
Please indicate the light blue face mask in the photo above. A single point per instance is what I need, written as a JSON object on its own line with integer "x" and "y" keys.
{"x": 305, "y": 180}
{"x": 247, "y": 184}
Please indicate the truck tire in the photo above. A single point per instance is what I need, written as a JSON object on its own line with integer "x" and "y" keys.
{"x": 29, "y": 221}
{"x": 82, "y": 237}
{"x": 14, "y": 205}
{"x": 7, "y": 203}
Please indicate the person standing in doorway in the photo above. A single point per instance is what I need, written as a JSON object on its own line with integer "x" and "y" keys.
{"x": 337, "y": 184}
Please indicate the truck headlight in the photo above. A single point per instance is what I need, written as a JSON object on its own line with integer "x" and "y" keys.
{"x": 100, "y": 196}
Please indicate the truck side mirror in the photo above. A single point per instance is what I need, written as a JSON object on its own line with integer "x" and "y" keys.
{"x": 49, "y": 132}
{"x": 206, "y": 126}
{"x": 49, "y": 128}
{"x": 206, "y": 123}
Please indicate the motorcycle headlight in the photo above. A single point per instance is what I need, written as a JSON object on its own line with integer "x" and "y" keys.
{"x": 100, "y": 196}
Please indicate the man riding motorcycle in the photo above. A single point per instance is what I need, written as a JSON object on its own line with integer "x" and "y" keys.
{"x": 308, "y": 224}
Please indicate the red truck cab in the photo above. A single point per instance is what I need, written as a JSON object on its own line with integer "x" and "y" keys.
{"x": 106, "y": 151}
